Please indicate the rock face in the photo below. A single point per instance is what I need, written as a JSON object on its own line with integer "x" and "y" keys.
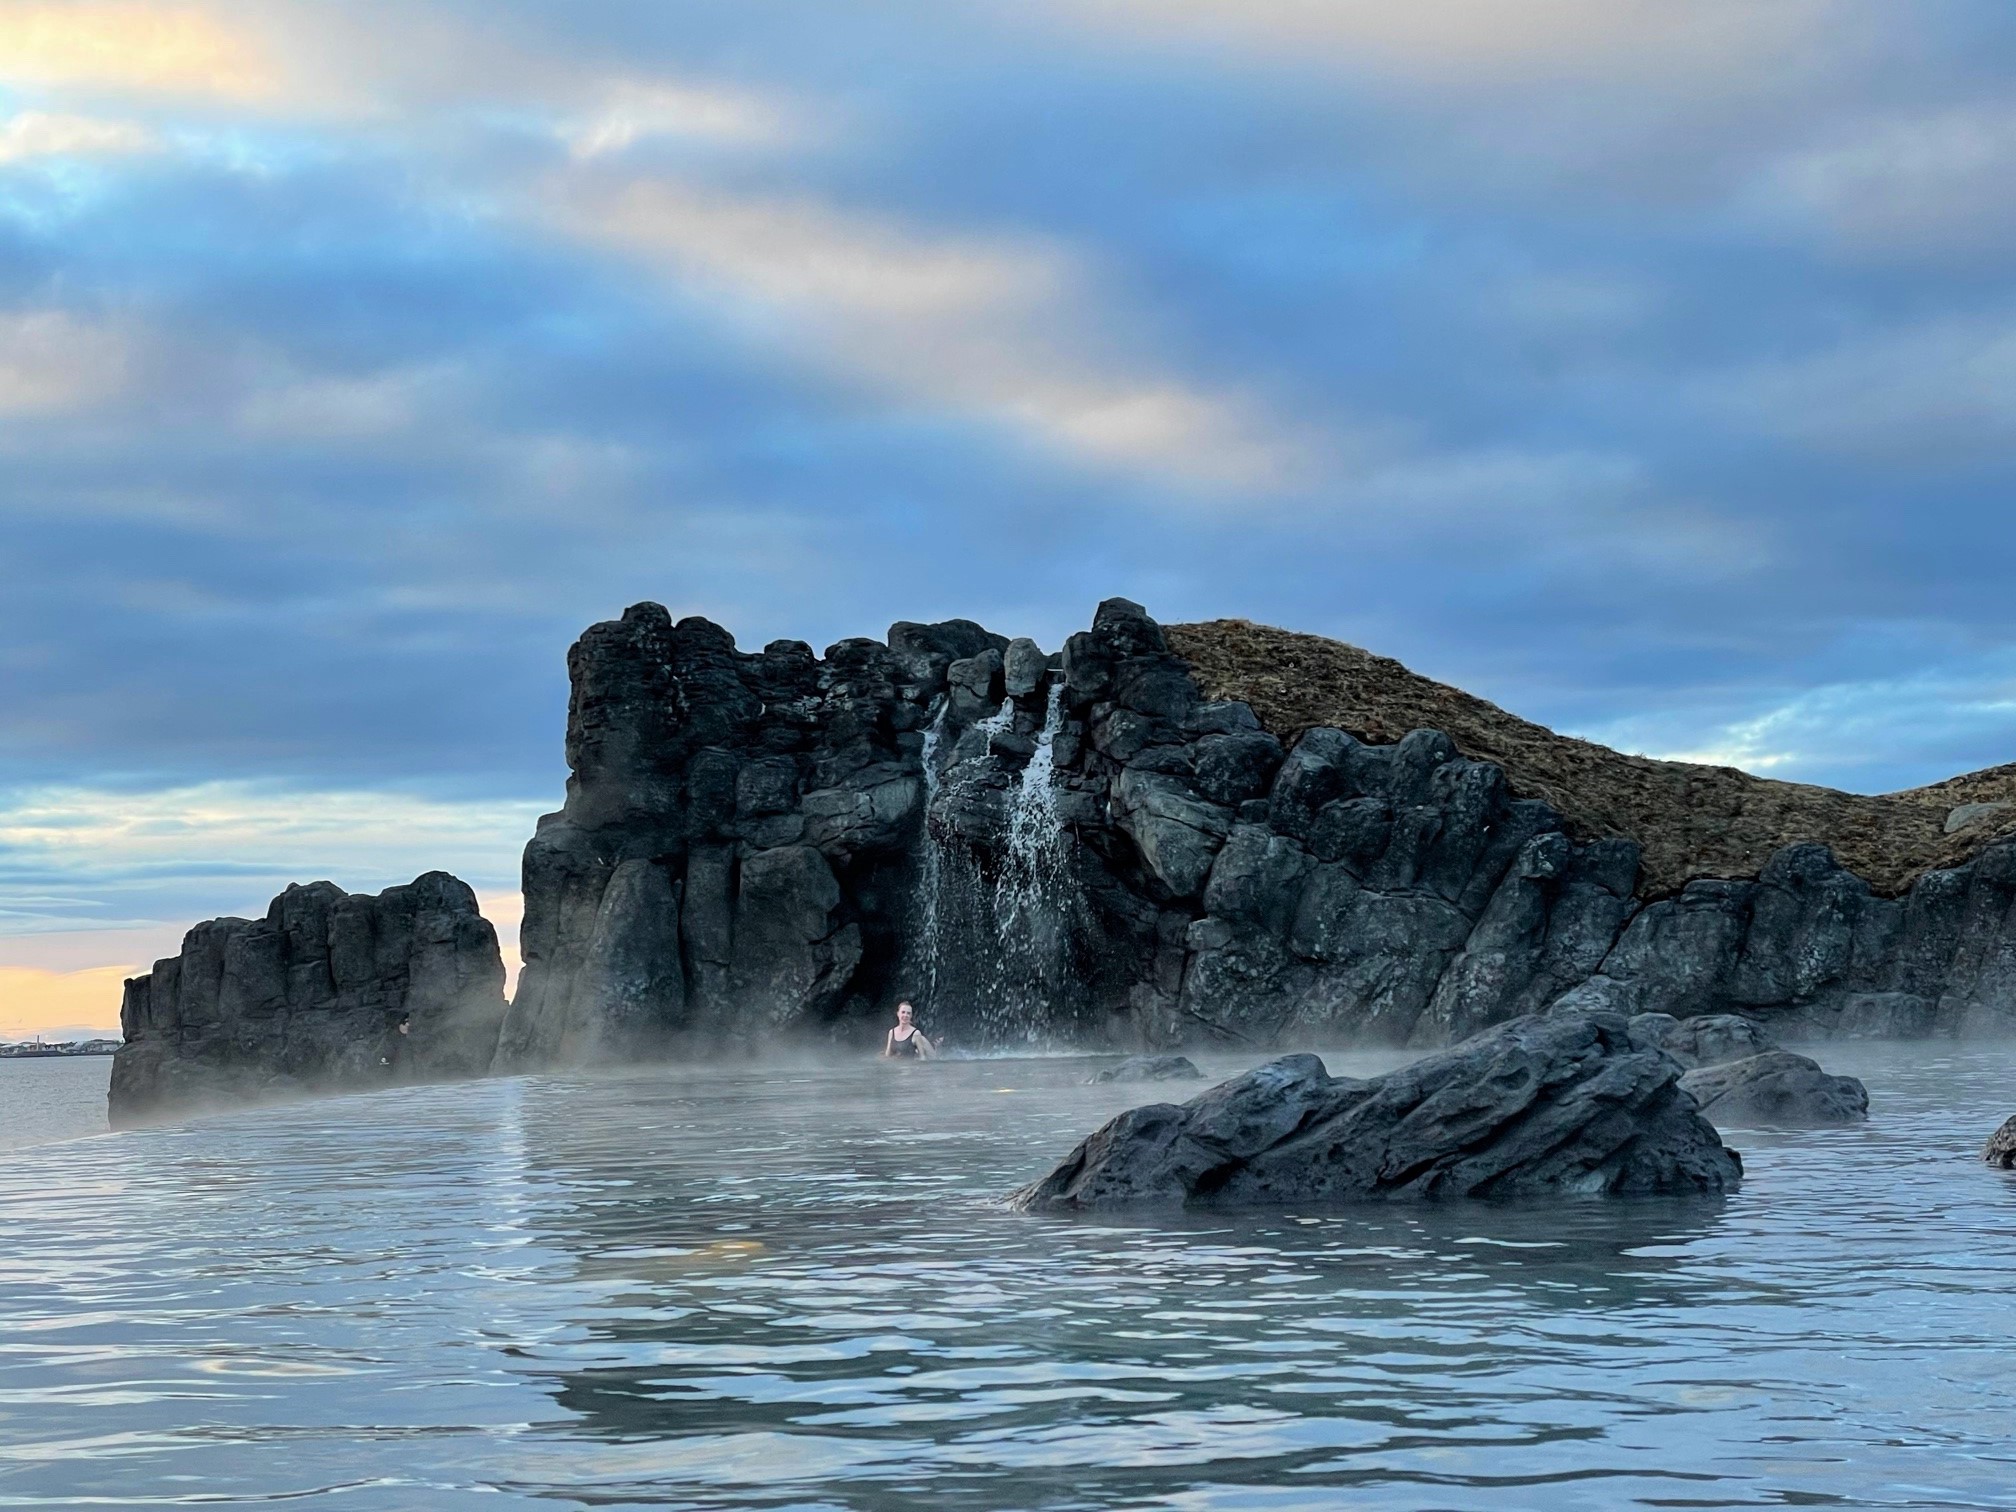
{"x": 1547, "y": 1105}
{"x": 1081, "y": 846}
{"x": 1776, "y": 1089}
{"x": 1148, "y": 1068}
{"x": 311, "y": 998}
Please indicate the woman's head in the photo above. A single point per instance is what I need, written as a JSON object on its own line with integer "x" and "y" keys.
{"x": 904, "y": 1013}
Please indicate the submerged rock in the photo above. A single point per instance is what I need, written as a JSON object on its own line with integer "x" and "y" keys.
{"x": 2001, "y": 1147}
{"x": 1776, "y": 1090}
{"x": 1141, "y": 1068}
{"x": 1707, "y": 1039}
{"x": 1560, "y": 1105}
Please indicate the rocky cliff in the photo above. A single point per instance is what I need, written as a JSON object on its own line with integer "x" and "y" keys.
{"x": 313, "y": 997}
{"x": 1120, "y": 844}
{"x": 1221, "y": 833}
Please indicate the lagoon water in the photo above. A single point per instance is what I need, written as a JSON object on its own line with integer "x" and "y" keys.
{"x": 796, "y": 1288}
{"x": 50, "y": 1098}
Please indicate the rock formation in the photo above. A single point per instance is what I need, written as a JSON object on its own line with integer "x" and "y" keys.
{"x": 1708, "y": 1039}
{"x": 1146, "y": 840}
{"x": 1776, "y": 1090}
{"x": 1106, "y": 846}
{"x": 2000, "y": 1151}
{"x": 1144, "y": 1068}
{"x": 1547, "y": 1105}
{"x": 312, "y": 998}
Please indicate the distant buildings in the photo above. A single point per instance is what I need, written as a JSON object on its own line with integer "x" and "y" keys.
{"x": 34, "y": 1049}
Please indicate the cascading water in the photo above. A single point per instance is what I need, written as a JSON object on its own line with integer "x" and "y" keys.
{"x": 993, "y": 956}
{"x": 931, "y": 868}
{"x": 1030, "y": 902}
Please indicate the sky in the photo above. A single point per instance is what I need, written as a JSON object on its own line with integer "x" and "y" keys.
{"x": 1647, "y": 369}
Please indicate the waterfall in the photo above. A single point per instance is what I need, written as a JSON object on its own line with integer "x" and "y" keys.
{"x": 1032, "y": 901}
{"x": 1000, "y": 947}
{"x": 931, "y": 871}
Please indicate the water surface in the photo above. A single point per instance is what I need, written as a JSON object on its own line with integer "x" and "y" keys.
{"x": 796, "y": 1289}
{"x": 52, "y": 1097}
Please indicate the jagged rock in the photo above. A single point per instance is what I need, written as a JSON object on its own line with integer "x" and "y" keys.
{"x": 1142, "y": 1068}
{"x": 1708, "y": 1039}
{"x": 2000, "y": 1151}
{"x": 1023, "y": 666}
{"x": 311, "y": 998}
{"x": 1203, "y": 880}
{"x": 1776, "y": 1089}
{"x": 1546, "y": 1105}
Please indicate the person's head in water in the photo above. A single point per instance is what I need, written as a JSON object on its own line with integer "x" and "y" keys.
{"x": 906, "y": 1039}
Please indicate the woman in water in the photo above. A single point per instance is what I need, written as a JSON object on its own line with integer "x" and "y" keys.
{"x": 906, "y": 1041}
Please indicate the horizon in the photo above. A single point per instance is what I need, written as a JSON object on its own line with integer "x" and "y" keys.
{"x": 1648, "y": 374}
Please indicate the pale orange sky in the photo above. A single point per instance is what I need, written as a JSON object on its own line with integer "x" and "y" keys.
{"x": 38, "y": 1000}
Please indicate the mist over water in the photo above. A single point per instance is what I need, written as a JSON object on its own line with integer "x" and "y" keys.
{"x": 796, "y": 1287}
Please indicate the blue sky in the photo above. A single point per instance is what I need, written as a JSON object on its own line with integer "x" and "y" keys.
{"x": 1648, "y": 369}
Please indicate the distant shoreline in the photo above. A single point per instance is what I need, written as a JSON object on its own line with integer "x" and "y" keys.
{"x": 66, "y": 1051}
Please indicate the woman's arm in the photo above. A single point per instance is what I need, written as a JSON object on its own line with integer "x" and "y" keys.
{"x": 889, "y": 1045}
{"x": 925, "y": 1049}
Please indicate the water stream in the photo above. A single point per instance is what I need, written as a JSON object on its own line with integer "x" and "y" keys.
{"x": 1009, "y": 937}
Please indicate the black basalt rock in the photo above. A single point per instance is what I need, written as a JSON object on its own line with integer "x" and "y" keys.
{"x": 1776, "y": 1089}
{"x": 331, "y": 991}
{"x": 1565, "y": 1105}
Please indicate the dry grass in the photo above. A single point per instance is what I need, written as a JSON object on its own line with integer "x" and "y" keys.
{"x": 1691, "y": 820}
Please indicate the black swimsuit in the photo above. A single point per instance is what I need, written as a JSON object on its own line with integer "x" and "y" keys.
{"x": 907, "y": 1046}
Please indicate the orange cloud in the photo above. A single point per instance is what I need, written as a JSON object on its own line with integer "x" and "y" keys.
{"x": 175, "y": 49}
{"x": 35, "y": 1002}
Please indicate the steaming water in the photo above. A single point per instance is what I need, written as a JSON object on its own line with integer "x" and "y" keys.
{"x": 794, "y": 1289}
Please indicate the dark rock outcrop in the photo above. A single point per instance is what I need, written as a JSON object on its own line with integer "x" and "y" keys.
{"x": 1709, "y": 1039}
{"x": 2000, "y": 1151}
{"x": 312, "y": 998}
{"x": 1148, "y": 1068}
{"x": 1776, "y": 1090}
{"x": 1547, "y": 1105}
{"x": 1084, "y": 847}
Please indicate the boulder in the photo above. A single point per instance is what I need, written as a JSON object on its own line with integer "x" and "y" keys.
{"x": 1776, "y": 1090}
{"x": 2000, "y": 1150}
{"x": 1707, "y": 1039}
{"x": 1142, "y": 1068}
{"x": 1542, "y": 1106}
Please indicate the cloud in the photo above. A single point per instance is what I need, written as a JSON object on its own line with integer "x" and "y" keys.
{"x": 51, "y": 360}
{"x": 176, "y": 49}
{"x": 1005, "y": 330}
{"x": 88, "y": 859}
{"x": 1933, "y": 394}
{"x": 1928, "y": 184}
{"x": 636, "y": 110}
{"x": 1953, "y": 716}
{"x": 1476, "y": 40}
{"x": 38, "y": 134}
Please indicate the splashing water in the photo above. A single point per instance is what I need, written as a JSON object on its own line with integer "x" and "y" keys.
{"x": 1030, "y": 901}
{"x": 1008, "y": 938}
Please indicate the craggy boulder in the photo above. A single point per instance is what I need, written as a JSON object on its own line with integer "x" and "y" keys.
{"x": 1542, "y": 1106}
{"x": 2000, "y": 1150}
{"x": 1776, "y": 1090}
{"x": 1140, "y": 1068}
{"x": 1707, "y": 1039}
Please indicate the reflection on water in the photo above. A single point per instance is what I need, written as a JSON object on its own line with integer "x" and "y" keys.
{"x": 798, "y": 1289}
